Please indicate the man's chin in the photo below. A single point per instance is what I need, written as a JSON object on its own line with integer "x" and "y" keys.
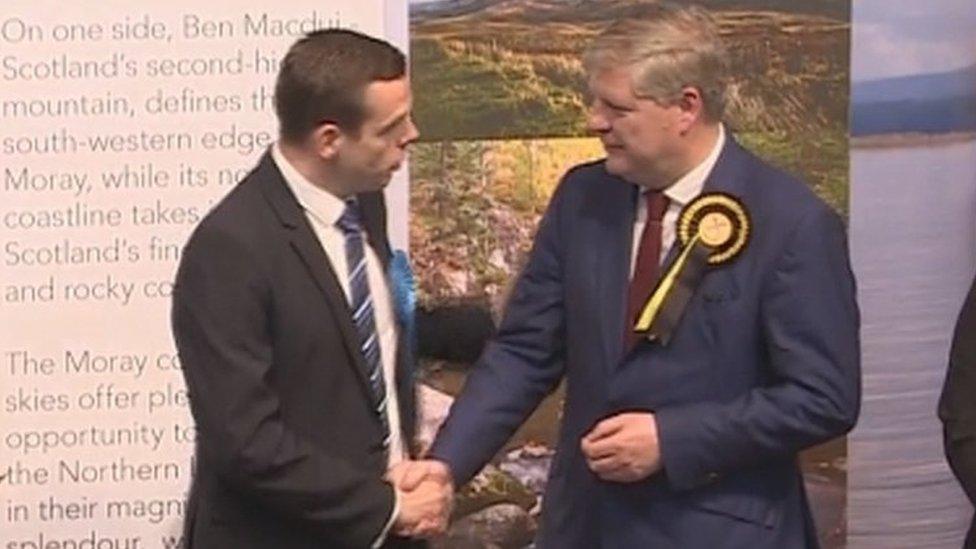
{"x": 372, "y": 185}
{"x": 615, "y": 166}
{"x": 383, "y": 182}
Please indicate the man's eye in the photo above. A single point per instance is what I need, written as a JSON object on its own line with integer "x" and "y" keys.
{"x": 609, "y": 108}
{"x": 398, "y": 125}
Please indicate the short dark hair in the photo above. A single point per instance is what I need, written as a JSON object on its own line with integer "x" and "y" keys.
{"x": 323, "y": 76}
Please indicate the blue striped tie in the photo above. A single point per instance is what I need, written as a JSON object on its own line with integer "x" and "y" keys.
{"x": 362, "y": 307}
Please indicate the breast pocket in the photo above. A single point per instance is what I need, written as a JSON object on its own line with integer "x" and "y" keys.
{"x": 718, "y": 286}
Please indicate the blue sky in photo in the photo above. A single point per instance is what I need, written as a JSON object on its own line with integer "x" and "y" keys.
{"x": 904, "y": 37}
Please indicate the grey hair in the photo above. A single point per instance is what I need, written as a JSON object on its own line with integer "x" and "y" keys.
{"x": 668, "y": 48}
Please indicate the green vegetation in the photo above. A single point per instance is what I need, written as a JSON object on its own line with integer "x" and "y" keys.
{"x": 466, "y": 94}
{"x": 499, "y": 99}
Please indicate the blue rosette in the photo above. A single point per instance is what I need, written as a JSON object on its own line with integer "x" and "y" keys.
{"x": 404, "y": 293}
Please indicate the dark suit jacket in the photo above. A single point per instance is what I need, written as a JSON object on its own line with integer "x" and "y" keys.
{"x": 957, "y": 407}
{"x": 289, "y": 450}
{"x": 764, "y": 363}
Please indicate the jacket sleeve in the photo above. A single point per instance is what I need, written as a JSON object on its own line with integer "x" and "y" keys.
{"x": 810, "y": 324}
{"x": 519, "y": 367}
{"x": 957, "y": 406}
{"x": 222, "y": 304}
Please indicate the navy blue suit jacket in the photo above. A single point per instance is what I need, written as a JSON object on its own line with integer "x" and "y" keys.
{"x": 764, "y": 363}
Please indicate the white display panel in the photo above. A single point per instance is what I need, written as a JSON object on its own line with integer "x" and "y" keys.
{"x": 123, "y": 122}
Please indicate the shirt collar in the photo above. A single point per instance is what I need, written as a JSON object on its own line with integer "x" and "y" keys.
{"x": 690, "y": 185}
{"x": 323, "y": 205}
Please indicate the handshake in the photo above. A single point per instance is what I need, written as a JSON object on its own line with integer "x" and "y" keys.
{"x": 425, "y": 490}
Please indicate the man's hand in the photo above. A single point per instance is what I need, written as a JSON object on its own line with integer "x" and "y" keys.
{"x": 426, "y": 491}
{"x": 623, "y": 448}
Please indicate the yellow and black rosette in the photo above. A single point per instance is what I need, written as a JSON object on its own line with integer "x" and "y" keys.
{"x": 712, "y": 230}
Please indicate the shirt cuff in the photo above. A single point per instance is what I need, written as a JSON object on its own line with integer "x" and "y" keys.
{"x": 381, "y": 539}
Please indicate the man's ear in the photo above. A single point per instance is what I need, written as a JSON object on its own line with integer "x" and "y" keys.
{"x": 692, "y": 108}
{"x": 326, "y": 139}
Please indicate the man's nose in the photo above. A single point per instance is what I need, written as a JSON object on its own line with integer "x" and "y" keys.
{"x": 412, "y": 134}
{"x": 596, "y": 122}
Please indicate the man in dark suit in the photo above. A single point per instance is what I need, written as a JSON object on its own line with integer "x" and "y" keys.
{"x": 957, "y": 407}
{"x": 299, "y": 379}
{"x": 689, "y": 443}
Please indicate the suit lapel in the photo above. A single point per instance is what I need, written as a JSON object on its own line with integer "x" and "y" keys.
{"x": 730, "y": 175}
{"x": 614, "y": 218}
{"x": 304, "y": 242}
{"x": 727, "y": 176}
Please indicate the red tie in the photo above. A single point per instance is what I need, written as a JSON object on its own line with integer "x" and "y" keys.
{"x": 648, "y": 264}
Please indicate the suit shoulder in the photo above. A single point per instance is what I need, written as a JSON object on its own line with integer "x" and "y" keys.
{"x": 237, "y": 217}
{"x": 781, "y": 196}
{"x": 593, "y": 168}
{"x": 590, "y": 181}
{"x": 585, "y": 173}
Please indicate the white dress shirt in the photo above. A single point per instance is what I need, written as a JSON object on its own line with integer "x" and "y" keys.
{"x": 679, "y": 194}
{"x": 323, "y": 210}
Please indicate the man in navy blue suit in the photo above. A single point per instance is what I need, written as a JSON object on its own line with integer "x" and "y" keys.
{"x": 689, "y": 442}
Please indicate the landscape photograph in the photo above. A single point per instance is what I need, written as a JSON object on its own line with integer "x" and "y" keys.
{"x": 500, "y": 101}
